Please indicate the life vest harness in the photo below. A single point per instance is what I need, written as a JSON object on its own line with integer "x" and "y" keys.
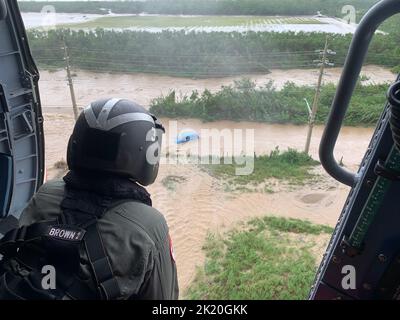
{"x": 59, "y": 242}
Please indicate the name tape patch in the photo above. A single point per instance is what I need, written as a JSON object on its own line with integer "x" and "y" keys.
{"x": 65, "y": 233}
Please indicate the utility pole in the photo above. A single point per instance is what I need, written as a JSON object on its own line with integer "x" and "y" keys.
{"x": 70, "y": 83}
{"x": 312, "y": 115}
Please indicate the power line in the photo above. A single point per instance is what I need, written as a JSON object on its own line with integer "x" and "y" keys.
{"x": 200, "y": 54}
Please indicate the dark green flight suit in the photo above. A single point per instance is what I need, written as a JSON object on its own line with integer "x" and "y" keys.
{"x": 136, "y": 240}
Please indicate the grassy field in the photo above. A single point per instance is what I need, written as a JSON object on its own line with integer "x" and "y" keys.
{"x": 268, "y": 258}
{"x": 190, "y": 21}
{"x": 291, "y": 166}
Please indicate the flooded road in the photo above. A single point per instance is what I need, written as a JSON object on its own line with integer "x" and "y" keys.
{"x": 351, "y": 144}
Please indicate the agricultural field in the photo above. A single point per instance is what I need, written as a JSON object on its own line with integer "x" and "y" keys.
{"x": 166, "y": 21}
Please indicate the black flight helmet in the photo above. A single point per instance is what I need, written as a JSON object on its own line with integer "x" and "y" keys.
{"x": 116, "y": 136}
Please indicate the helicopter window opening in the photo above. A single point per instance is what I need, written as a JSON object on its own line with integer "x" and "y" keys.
{"x": 244, "y": 100}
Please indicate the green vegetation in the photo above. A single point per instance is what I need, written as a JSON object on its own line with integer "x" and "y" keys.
{"x": 244, "y": 101}
{"x": 290, "y": 165}
{"x": 290, "y": 225}
{"x": 191, "y": 54}
{"x": 190, "y": 21}
{"x": 212, "y": 7}
{"x": 270, "y": 258}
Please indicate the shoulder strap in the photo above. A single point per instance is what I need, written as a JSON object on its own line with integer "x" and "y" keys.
{"x": 100, "y": 264}
{"x": 84, "y": 209}
{"x": 77, "y": 223}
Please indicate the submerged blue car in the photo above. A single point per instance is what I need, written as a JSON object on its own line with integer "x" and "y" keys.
{"x": 187, "y": 135}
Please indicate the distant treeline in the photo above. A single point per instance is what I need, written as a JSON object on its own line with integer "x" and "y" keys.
{"x": 212, "y": 7}
{"x": 245, "y": 102}
{"x": 197, "y": 54}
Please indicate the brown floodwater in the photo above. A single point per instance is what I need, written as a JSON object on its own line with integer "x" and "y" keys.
{"x": 194, "y": 203}
{"x": 143, "y": 88}
{"x": 351, "y": 145}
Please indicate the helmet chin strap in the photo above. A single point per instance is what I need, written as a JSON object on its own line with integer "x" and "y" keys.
{"x": 133, "y": 180}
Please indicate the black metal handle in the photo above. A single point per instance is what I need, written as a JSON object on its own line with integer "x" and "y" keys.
{"x": 351, "y": 71}
{"x": 393, "y": 96}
